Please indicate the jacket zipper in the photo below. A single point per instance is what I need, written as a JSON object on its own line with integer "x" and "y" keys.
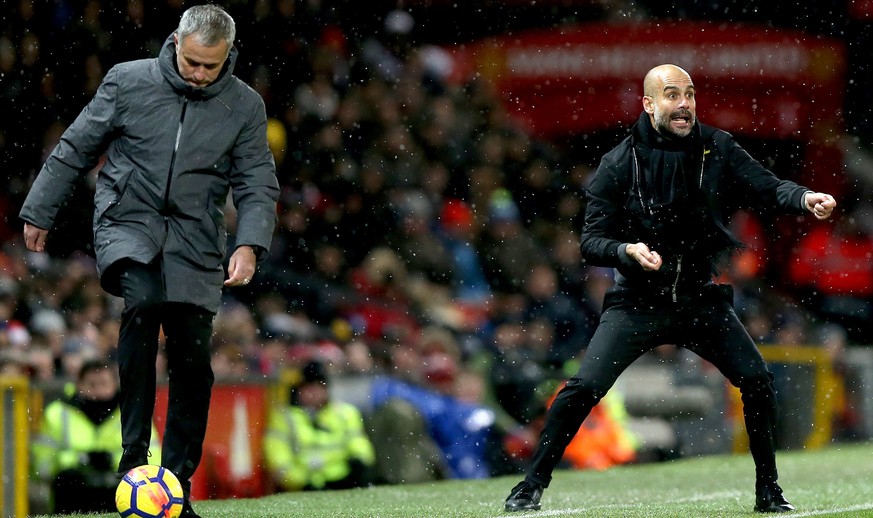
{"x": 676, "y": 281}
{"x": 173, "y": 158}
{"x": 679, "y": 261}
{"x": 647, "y": 209}
{"x": 638, "y": 180}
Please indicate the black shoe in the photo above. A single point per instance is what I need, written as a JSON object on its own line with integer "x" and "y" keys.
{"x": 524, "y": 497}
{"x": 132, "y": 458}
{"x": 769, "y": 499}
{"x": 188, "y": 511}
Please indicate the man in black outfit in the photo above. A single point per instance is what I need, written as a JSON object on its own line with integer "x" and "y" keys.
{"x": 657, "y": 210}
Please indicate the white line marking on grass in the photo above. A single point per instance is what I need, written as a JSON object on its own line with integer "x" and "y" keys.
{"x": 555, "y": 512}
{"x": 573, "y": 512}
{"x": 859, "y": 507}
{"x": 702, "y": 497}
{"x": 570, "y": 512}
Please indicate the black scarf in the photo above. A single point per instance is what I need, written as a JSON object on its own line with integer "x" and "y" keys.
{"x": 670, "y": 164}
{"x": 97, "y": 410}
{"x": 678, "y": 219}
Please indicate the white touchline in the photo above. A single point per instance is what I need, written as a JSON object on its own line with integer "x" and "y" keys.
{"x": 858, "y": 507}
{"x": 554, "y": 512}
{"x": 703, "y": 496}
{"x": 574, "y": 512}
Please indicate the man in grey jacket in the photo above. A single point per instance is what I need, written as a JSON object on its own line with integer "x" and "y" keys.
{"x": 179, "y": 132}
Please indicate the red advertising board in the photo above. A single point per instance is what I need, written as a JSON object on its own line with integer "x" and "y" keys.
{"x": 231, "y": 466}
{"x": 584, "y": 77}
{"x": 750, "y": 80}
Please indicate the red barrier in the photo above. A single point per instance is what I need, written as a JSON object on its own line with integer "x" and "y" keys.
{"x": 231, "y": 466}
{"x": 751, "y": 80}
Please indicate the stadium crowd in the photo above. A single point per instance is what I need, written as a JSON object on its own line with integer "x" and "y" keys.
{"x": 422, "y": 234}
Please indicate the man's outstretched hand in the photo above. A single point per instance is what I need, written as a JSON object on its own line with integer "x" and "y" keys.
{"x": 820, "y": 204}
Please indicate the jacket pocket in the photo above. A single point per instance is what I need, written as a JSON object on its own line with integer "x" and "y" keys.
{"x": 111, "y": 196}
{"x": 216, "y": 216}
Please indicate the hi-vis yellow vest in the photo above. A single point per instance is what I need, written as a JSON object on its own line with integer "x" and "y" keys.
{"x": 67, "y": 435}
{"x": 301, "y": 450}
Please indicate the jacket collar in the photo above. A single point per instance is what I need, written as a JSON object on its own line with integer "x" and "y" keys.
{"x": 645, "y": 134}
{"x": 167, "y": 62}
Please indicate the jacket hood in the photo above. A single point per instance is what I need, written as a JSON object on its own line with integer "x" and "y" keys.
{"x": 167, "y": 61}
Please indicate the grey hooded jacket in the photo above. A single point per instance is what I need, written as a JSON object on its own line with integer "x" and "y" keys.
{"x": 173, "y": 152}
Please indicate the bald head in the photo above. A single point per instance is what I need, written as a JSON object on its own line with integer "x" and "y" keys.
{"x": 657, "y": 77}
{"x": 669, "y": 99}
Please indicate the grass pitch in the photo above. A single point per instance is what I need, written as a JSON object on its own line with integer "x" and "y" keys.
{"x": 836, "y": 481}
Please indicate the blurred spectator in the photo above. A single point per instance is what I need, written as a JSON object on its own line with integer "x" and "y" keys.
{"x": 584, "y": 285}
{"x": 538, "y": 193}
{"x": 386, "y": 51}
{"x": 382, "y": 310}
{"x": 79, "y": 444}
{"x": 514, "y": 372}
{"x": 462, "y": 431}
{"x": 14, "y": 364}
{"x": 48, "y": 329}
{"x": 416, "y": 243}
{"x": 570, "y": 324}
{"x": 406, "y": 453}
{"x": 315, "y": 442}
{"x": 359, "y": 358}
{"x": 832, "y": 263}
{"x": 603, "y": 440}
{"x": 317, "y": 99}
{"x": 14, "y": 333}
{"x": 457, "y": 228}
{"x": 230, "y": 364}
{"x": 507, "y": 248}
{"x": 846, "y": 403}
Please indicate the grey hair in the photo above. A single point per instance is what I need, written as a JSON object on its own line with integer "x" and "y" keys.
{"x": 210, "y": 23}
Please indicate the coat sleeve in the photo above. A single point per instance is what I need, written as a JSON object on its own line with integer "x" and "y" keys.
{"x": 254, "y": 183}
{"x": 600, "y": 239}
{"x": 765, "y": 188}
{"x": 78, "y": 152}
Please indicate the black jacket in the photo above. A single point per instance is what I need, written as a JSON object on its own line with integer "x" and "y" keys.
{"x": 680, "y": 210}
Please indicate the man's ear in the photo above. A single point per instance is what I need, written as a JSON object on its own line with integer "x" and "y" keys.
{"x": 648, "y": 104}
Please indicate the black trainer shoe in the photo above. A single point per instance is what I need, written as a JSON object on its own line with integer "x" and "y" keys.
{"x": 524, "y": 497}
{"x": 188, "y": 511}
{"x": 769, "y": 499}
{"x": 132, "y": 458}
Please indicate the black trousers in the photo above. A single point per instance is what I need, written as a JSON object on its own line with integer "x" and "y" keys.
{"x": 188, "y": 332}
{"x": 632, "y": 325}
